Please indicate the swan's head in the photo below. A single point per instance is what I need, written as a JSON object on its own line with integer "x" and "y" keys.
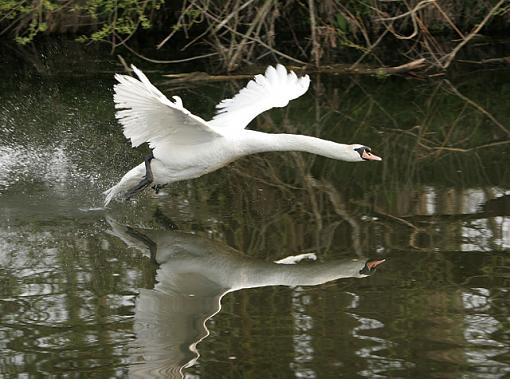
{"x": 370, "y": 266}
{"x": 364, "y": 153}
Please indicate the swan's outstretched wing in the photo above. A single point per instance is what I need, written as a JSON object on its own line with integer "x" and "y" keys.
{"x": 148, "y": 116}
{"x": 273, "y": 89}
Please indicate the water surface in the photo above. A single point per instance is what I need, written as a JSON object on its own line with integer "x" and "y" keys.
{"x": 184, "y": 283}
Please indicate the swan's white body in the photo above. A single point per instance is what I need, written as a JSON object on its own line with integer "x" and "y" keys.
{"x": 186, "y": 146}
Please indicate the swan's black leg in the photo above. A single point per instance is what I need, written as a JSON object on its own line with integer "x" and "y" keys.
{"x": 146, "y": 181}
{"x": 158, "y": 187}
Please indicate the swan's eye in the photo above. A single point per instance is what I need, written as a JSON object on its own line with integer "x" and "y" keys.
{"x": 361, "y": 150}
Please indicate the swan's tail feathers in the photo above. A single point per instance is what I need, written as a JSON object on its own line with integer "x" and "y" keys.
{"x": 131, "y": 183}
{"x": 112, "y": 193}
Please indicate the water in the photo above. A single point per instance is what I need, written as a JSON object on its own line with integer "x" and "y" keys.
{"x": 183, "y": 283}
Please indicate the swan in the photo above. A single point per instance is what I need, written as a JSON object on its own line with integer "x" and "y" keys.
{"x": 184, "y": 146}
{"x": 192, "y": 276}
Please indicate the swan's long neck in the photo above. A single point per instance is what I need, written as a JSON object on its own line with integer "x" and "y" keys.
{"x": 253, "y": 142}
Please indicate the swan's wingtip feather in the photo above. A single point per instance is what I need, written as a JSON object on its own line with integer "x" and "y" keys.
{"x": 270, "y": 71}
{"x": 305, "y": 81}
{"x": 141, "y": 76}
{"x": 281, "y": 70}
{"x": 275, "y": 88}
{"x": 136, "y": 70}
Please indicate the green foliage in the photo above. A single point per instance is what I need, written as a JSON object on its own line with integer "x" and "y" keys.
{"x": 119, "y": 18}
{"x": 104, "y": 20}
{"x": 238, "y": 31}
{"x": 347, "y": 25}
{"x": 341, "y": 23}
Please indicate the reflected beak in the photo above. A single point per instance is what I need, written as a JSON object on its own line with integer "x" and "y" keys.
{"x": 373, "y": 264}
{"x": 370, "y": 157}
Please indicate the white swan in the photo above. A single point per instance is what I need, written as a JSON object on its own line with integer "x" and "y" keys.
{"x": 184, "y": 146}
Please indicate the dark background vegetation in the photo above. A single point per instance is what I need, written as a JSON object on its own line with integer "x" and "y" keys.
{"x": 231, "y": 34}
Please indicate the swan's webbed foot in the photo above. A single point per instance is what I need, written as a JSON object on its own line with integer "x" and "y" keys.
{"x": 146, "y": 181}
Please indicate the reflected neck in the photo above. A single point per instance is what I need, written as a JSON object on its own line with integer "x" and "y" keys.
{"x": 253, "y": 142}
{"x": 273, "y": 274}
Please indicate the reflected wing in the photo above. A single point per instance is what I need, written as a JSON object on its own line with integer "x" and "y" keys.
{"x": 274, "y": 89}
{"x": 148, "y": 116}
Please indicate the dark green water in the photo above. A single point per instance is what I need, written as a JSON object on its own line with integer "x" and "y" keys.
{"x": 118, "y": 292}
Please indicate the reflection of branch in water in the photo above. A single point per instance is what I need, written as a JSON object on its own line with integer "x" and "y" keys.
{"x": 373, "y": 100}
{"x": 415, "y": 230}
{"x": 477, "y": 107}
{"x": 341, "y": 210}
{"x": 428, "y": 131}
{"x": 485, "y": 220}
{"x": 446, "y": 218}
{"x": 194, "y": 273}
{"x": 473, "y": 148}
{"x": 276, "y": 182}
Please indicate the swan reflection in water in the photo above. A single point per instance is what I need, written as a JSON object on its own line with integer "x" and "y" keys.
{"x": 194, "y": 273}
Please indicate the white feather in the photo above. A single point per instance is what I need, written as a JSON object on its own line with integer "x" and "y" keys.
{"x": 148, "y": 116}
{"x": 273, "y": 90}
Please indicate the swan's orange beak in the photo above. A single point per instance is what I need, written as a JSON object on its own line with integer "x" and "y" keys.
{"x": 367, "y": 155}
{"x": 373, "y": 264}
